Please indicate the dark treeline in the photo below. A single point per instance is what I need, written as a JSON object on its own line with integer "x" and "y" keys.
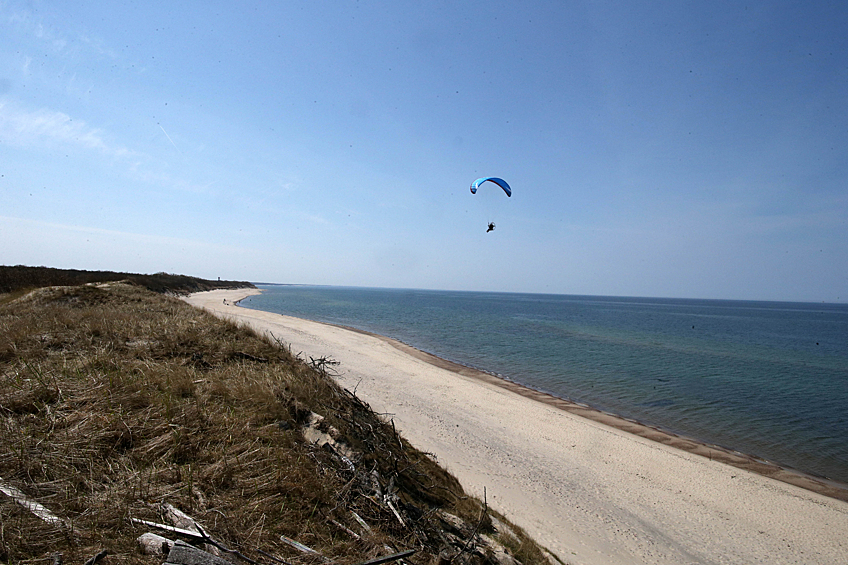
{"x": 22, "y": 277}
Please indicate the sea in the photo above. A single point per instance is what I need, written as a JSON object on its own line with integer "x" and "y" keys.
{"x": 768, "y": 379}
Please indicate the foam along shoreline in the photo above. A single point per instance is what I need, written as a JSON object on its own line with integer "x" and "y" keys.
{"x": 592, "y": 487}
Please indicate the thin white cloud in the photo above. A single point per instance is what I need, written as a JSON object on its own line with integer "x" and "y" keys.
{"x": 32, "y": 24}
{"x": 97, "y": 46}
{"x": 316, "y": 219}
{"x": 55, "y": 231}
{"x": 51, "y": 128}
{"x": 58, "y": 37}
{"x": 139, "y": 171}
{"x": 47, "y": 129}
{"x": 85, "y": 229}
{"x": 34, "y": 242}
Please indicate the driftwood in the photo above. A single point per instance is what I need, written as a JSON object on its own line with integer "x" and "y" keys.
{"x": 96, "y": 558}
{"x": 376, "y": 561}
{"x": 345, "y": 529}
{"x": 312, "y": 434}
{"x": 361, "y": 522}
{"x": 173, "y": 529}
{"x": 483, "y": 512}
{"x": 34, "y": 507}
{"x": 394, "y": 511}
{"x": 388, "y": 558}
{"x": 234, "y": 552}
{"x": 302, "y": 548}
{"x": 182, "y": 520}
{"x": 178, "y": 518}
{"x": 197, "y": 534}
{"x": 249, "y": 357}
{"x": 324, "y": 365}
{"x": 152, "y": 544}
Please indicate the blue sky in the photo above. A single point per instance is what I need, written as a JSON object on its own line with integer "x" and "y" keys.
{"x": 680, "y": 149}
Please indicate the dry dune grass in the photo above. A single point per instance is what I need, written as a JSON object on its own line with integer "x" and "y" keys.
{"x": 114, "y": 399}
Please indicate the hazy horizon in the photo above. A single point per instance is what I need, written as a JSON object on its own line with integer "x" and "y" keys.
{"x": 623, "y": 297}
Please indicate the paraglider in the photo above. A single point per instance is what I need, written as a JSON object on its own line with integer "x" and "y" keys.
{"x": 500, "y": 182}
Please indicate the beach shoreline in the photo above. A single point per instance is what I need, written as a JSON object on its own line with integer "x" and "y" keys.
{"x": 706, "y": 463}
{"x": 723, "y": 454}
{"x": 726, "y": 455}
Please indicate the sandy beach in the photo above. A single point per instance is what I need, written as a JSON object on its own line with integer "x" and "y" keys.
{"x": 591, "y": 488}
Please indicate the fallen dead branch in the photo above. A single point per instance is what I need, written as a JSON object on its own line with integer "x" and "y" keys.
{"x": 173, "y": 529}
{"x": 178, "y": 518}
{"x": 154, "y": 544}
{"x": 197, "y": 533}
{"x": 302, "y": 548}
{"x": 324, "y": 365}
{"x": 361, "y": 522}
{"x": 345, "y": 529}
{"x": 37, "y": 509}
{"x": 389, "y": 558}
{"x": 96, "y": 558}
{"x": 483, "y": 514}
{"x": 214, "y": 543}
{"x": 249, "y": 357}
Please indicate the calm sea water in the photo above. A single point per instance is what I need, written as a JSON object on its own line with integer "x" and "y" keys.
{"x": 765, "y": 378}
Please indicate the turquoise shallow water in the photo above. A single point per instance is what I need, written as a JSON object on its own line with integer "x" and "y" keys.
{"x": 765, "y": 378}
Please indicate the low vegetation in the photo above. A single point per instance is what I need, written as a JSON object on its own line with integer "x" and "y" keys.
{"x": 21, "y": 277}
{"x": 116, "y": 401}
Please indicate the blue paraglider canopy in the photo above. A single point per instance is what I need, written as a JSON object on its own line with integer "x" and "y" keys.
{"x": 500, "y": 182}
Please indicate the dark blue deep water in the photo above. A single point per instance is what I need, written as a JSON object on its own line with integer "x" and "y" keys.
{"x": 765, "y": 378}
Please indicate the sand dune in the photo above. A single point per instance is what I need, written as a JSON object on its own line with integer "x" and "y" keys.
{"x": 588, "y": 491}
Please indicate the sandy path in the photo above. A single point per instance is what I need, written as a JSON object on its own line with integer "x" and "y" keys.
{"x": 589, "y": 492}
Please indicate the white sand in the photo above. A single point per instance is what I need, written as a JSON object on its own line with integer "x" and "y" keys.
{"x": 588, "y": 492}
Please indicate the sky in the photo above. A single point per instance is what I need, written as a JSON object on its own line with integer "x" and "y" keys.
{"x": 663, "y": 149}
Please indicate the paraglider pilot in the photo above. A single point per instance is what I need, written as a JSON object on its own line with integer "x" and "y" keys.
{"x": 500, "y": 182}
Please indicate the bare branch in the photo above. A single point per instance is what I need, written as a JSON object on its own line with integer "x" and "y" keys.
{"x": 302, "y": 548}
{"x": 94, "y": 559}
{"x": 388, "y": 558}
